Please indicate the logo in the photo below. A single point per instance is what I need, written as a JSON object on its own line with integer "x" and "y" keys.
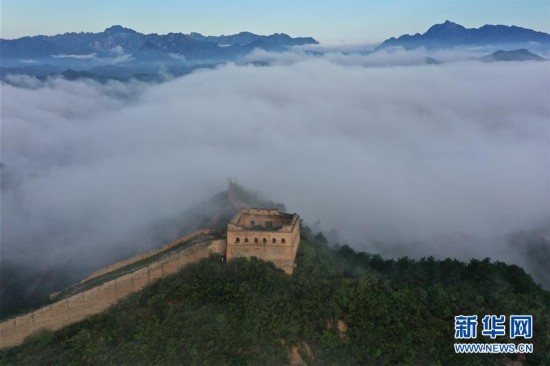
{"x": 521, "y": 326}
{"x": 493, "y": 326}
{"x": 466, "y": 327}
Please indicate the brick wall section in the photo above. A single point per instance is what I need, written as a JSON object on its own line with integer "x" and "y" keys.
{"x": 82, "y": 305}
{"x": 282, "y": 255}
{"x": 278, "y": 221}
{"x": 137, "y": 258}
{"x": 264, "y": 244}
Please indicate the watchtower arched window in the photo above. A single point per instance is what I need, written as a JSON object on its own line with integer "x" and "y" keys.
{"x": 283, "y": 241}
{"x": 246, "y": 240}
{"x": 238, "y": 240}
{"x": 265, "y": 240}
{"x": 273, "y": 240}
{"x": 255, "y": 240}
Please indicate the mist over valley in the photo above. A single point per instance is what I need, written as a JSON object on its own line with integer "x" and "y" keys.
{"x": 420, "y": 149}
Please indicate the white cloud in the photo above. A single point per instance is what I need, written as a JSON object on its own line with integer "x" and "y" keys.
{"x": 78, "y": 57}
{"x": 396, "y": 56}
{"x": 397, "y": 154}
{"x": 177, "y": 56}
{"x": 117, "y": 51}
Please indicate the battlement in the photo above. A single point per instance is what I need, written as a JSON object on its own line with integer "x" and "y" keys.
{"x": 264, "y": 233}
{"x": 254, "y": 232}
{"x": 97, "y": 293}
{"x": 259, "y": 219}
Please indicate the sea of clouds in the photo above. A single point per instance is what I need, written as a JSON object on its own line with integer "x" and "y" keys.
{"x": 442, "y": 160}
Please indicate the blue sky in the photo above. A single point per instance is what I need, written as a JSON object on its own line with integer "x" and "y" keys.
{"x": 352, "y": 21}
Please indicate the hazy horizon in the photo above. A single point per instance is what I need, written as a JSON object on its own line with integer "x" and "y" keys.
{"x": 329, "y": 22}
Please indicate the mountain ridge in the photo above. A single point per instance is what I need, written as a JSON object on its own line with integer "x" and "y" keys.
{"x": 521, "y": 54}
{"x": 450, "y": 34}
{"x": 117, "y": 39}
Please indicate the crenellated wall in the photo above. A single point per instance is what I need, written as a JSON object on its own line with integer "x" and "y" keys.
{"x": 248, "y": 236}
{"x": 137, "y": 258}
{"x": 82, "y": 305}
{"x": 277, "y": 242}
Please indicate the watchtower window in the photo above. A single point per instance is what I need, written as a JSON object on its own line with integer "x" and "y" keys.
{"x": 252, "y": 223}
{"x": 269, "y": 225}
{"x": 246, "y": 240}
{"x": 273, "y": 240}
{"x": 265, "y": 240}
{"x": 255, "y": 240}
{"x": 238, "y": 240}
{"x": 283, "y": 241}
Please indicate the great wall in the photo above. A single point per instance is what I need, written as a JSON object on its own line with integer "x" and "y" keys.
{"x": 101, "y": 296}
{"x": 264, "y": 233}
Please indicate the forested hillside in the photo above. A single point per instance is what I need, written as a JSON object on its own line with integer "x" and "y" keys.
{"x": 339, "y": 307}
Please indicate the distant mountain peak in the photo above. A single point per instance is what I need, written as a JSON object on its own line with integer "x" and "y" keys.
{"x": 448, "y": 24}
{"x": 514, "y": 55}
{"x": 450, "y": 34}
{"x": 118, "y": 29}
{"x": 446, "y": 27}
{"x": 193, "y": 46}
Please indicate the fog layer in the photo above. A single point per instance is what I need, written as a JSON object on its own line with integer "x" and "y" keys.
{"x": 415, "y": 156}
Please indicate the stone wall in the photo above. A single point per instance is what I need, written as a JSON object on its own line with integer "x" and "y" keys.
{"x": 249, "y": 221}
{"x": 249, "y": 243}
{"x": 82, "y": 305}
{"x": 139, "y": 257}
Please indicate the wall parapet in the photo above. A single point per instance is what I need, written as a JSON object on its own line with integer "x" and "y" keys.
{"x": 99, "y": 298}
{"x": 267, "y": 234}
{"x": 137, "y": 258}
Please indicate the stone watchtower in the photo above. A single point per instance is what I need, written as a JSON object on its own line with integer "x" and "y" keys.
{"x": 264, "y": 233}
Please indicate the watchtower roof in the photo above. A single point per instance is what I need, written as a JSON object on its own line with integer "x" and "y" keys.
{"x": 260, "y": 219}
